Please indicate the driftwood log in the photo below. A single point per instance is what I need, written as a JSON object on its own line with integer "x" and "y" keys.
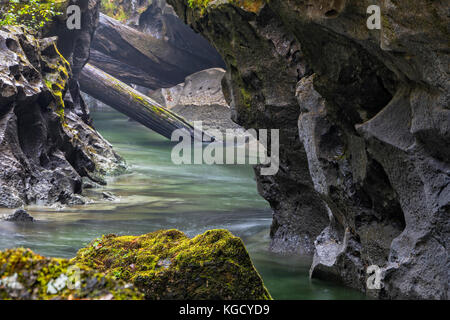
{"x": 126, "y": 72}
{"x": 132, "y": 103}
{"x": 140, "y": 58}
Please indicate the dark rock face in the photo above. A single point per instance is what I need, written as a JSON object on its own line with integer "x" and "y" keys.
{"x": 75, "y": 46}
{"x": 45, "y": 148}
{"x": 199, "y": 98}
{"x": 19, "y": 216}
{"x": 367, "y": 140}
{"x": 265, "y": 63}
{"x": 149, "y": 46}
{"x": 161, "y": 21}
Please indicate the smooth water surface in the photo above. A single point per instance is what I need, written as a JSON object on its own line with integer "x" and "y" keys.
{"x": 155, "y": 194}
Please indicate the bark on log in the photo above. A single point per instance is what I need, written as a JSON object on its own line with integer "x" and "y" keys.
{"x": 158, "y": 58}
{"x": 130, "y": 102}
{"x": 125, "y": 72}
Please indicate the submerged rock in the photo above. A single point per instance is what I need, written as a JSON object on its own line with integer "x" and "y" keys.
{"x": 25, "y": 275}
{"x": 169, "y": 265}
{"x": 108, "y": 196}
{"x": 18, "y": 216}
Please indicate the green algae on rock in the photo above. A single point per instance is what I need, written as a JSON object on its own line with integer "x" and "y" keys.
{"x": 25, "y": 275}
{"x": 168, "y": 265}
{"x": 45, "y": 145}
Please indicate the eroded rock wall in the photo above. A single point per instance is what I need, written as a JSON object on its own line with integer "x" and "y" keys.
{"x": 364, "y": 122}
{"x": 264, "y": 64}
{"x": 46, "y": 142}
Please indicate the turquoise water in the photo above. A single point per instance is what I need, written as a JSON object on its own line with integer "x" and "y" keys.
{"x": 155, "y": 194}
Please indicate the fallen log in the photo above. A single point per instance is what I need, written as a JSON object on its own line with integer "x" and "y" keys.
{"x": 125, "y": 72}
{"x": 158, "y": 58}
{"x": 132, "y": 103}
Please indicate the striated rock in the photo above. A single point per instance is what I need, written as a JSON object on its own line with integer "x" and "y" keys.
{"x": 89, "y": 184}
{"x": 372, "y": 119}
{"x": 168, "y": 265}
{"x": 45, "y": 148}
{"x": 25, "y": 275}
{"x": 18, "y": 216}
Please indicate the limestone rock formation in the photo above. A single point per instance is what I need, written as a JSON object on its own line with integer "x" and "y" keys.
{"x": 167, "y": 264}
{"x": 202, "y": 88}
{"x": 364, "y": 118}
{"x": 159, "y": 20}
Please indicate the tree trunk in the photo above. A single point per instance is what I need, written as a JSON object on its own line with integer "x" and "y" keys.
{"x": 125, "y": 72}
{"x": 130, "y": 102}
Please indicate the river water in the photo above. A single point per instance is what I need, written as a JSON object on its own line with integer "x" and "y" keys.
{"x": 155, "y": 194}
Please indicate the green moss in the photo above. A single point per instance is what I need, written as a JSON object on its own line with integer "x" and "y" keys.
{"x": 26, "y": 275}
{"x": 248, "y": 5}
{"x": 121, "y": 10}
{"x": 114, "y": 10}
{"x": 148, "y": 103}
{"x": 34, "y": 14}
{"x": 247, "y": 98}
{"x": 56, "y": 78}
{"x": 169, "y": 265}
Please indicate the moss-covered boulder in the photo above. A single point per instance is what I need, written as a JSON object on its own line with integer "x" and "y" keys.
{"x": 169, "y": 265}
{"x": 26, "y": 275}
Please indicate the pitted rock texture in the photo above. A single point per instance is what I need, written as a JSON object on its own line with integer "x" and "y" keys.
{"x": 45, "y": 148}
{"x": 372, "y": 119}
{"x": 75, "y": 45}
{"x": 264, "y": 63}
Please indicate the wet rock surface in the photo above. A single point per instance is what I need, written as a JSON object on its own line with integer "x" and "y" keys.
{"x": 18, "y": 216}
{"x": 364, "y": 128}
{"x": 45, "y": 146}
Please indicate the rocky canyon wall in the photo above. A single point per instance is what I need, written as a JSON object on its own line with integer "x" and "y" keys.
{"x": 365, "y": 122}
{"x": 46, "y": 142}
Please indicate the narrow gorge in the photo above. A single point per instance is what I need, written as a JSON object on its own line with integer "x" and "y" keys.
{"x": 363, "y": 186}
